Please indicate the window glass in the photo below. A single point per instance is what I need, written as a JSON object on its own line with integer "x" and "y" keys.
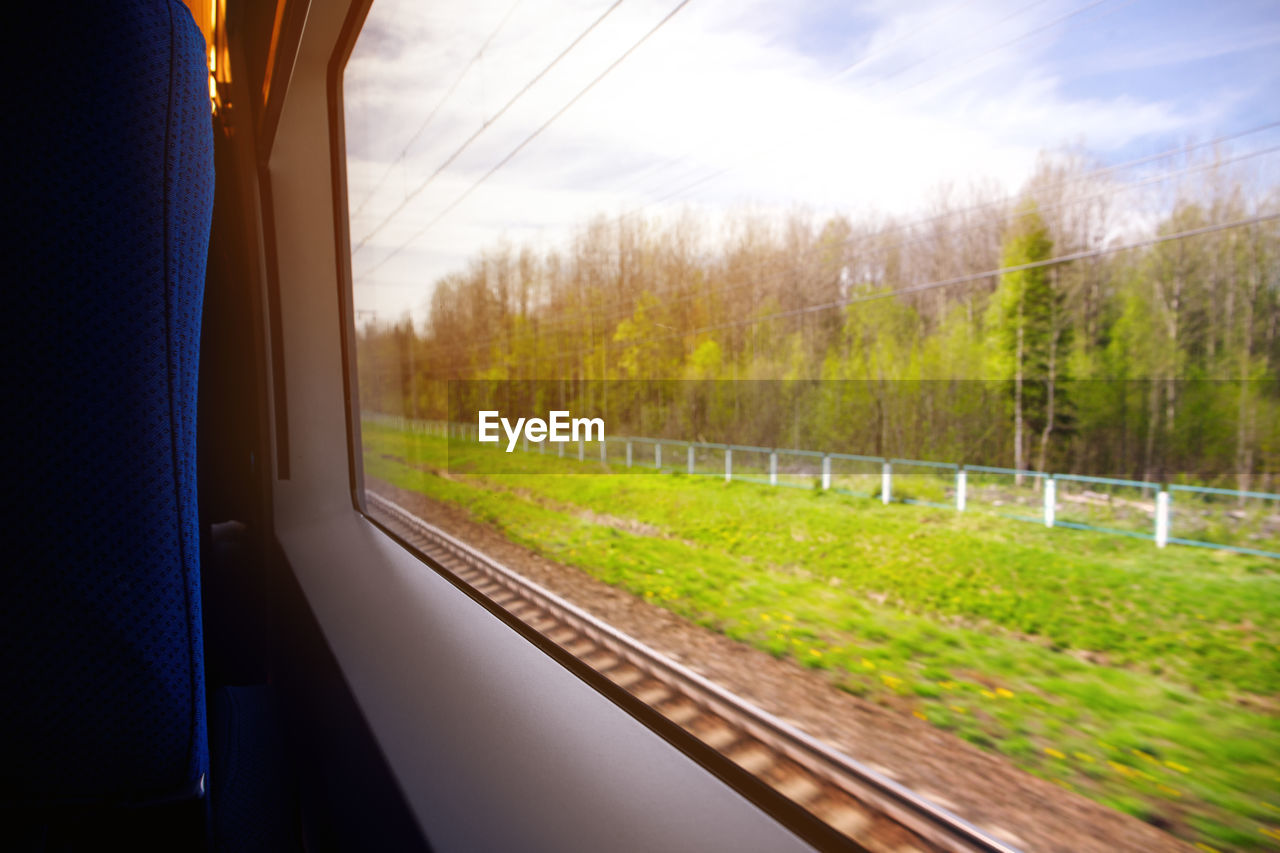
{"x": 908, "y": 370}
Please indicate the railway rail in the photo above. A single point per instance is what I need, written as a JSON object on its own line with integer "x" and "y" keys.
{"x": 865, "y": 809}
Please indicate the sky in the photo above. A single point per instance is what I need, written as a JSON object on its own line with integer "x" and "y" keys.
{"x": 857, "y": 108}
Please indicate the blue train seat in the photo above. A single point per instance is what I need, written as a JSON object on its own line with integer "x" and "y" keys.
{"x": 109, "y": 196}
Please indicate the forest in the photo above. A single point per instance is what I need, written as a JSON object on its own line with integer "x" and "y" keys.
{"x": 1084, "y": 325}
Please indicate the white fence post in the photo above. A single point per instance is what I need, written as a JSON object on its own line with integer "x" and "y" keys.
{"x": 460, "y": 431}
{"x": 1162, "y": 518}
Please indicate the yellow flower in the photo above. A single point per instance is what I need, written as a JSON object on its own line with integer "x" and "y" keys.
{"x": 1200, "y": 845}
{"x": 1003, "y": 693}
{"x": 764, "y": 617}
{"x": 815, "y": 653}
{"x": 1173, "y": 765}
{"x": 1050, "y": 751}
{"x": 958, "y": 709}
{"x": 868, "y": 664}
{"x": 1084, "y": 756}
{"x": 988, "y": 694}
{"x": 947, "y": 685}
{"x": 920, "y": 714}
{"x": 1173, "y": 792}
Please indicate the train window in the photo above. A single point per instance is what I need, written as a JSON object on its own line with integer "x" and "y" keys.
{"x": 883, "y": 396}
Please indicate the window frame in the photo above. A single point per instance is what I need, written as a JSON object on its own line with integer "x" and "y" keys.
{"x": 561, "y": 785}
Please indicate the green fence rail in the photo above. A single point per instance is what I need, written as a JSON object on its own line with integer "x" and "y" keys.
{"x": 1245, "y": 522}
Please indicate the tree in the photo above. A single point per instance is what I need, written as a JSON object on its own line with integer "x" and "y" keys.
{"x": 1031, "y": 334}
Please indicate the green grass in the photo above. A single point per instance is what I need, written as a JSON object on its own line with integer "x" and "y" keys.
{"x": 1145, "y": 679}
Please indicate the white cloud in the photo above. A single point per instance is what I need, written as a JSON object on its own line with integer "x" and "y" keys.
{"x": 950, "y": 94}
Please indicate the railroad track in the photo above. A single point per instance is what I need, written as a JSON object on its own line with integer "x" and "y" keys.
{"x": 865, "y": 809}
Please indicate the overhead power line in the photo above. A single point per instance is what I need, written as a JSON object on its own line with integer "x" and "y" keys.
{"x": 507, "y": 159}
{"x": 404, "y": 152}
{"x": 938, "y": 284}
{"x": 625, "y": 307}
{"x": 718, "y": 173}
{"x": 473, "y": 137}
{"x": 1031, "y": 265}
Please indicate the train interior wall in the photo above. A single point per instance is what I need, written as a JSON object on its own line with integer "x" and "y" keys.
{"x": 318, "y": 768}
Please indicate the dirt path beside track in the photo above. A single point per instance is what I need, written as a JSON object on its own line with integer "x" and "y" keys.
{"x": 983, "y": 788}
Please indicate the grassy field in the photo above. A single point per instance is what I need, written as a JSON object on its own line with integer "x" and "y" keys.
{"x": 1148, "y": 680}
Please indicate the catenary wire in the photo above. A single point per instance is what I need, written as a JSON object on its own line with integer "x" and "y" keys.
{"x": 404, "y": 152}
{"x": 931, "y": 285}
{"x": 488, "y": 122}
{"x": 510, "y": 155}
{"x": 417, "y": 234}
{"x": 623, "y": 308}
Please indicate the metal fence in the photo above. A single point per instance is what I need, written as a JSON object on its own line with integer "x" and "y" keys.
{"x": 1200, "y": 516}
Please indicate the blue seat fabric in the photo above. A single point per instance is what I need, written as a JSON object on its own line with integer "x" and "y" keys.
{"x": 109, "y": 197}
